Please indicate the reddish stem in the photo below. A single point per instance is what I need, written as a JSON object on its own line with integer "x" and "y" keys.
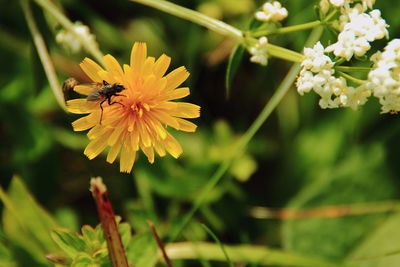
{"x": 160, "y": 244}
{"x": 116, "y": 250}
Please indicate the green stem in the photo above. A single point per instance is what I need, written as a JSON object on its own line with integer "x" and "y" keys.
{"x": 43, "y": 54}
{"x": 264, "y": 115}
{"x": 352, "y": 69}
{"x": 242, "y": 253}
{"x": 220, "y": 244}
{"x": 300, "y": 27}
{"x": 90, "y": 46}
{"x": 283, "y": 53}
{"x": 195, "y": 17}
{"x": 351, "y": 78}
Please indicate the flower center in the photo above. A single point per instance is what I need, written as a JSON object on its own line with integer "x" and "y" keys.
{"x": 139, "y": 108}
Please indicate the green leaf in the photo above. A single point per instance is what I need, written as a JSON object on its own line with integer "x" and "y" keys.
{"x": 347, "y": 181}
{"x": 26, "y": 222}
{"x": 143, "y": 250}
{"x": 234, "y": 62}
{"x": 68, "y": 241}
{"x": 84, "y": 260}
{"x": 125, "y": 232}
{"x": 381, "y": 248}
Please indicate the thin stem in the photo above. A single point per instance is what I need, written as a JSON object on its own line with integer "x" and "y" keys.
{"x": 283, "y": 53}
{"x": 160, "y": 244}
{"x": 333, "y": 211}
{"x": 216, "y": 239}
{"x": 264, "y": 115}
{"x": 116, "y": 250}
{"x": 90, "y": 46}
{"x": 353, "y": 69}
{"x": 242, "y": 253}
{"x": 43, "y": 54}
{"x": 195, "y": 17}
{"x": 351, "y": 78}
{"x": 295, "y": 28}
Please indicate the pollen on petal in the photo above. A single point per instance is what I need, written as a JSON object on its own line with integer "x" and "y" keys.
{"x": 91, "y": 69}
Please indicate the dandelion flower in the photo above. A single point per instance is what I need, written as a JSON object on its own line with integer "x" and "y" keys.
{"x": 139, "y": 117}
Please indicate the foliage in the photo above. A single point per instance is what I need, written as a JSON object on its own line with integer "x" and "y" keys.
{"x": 302, "y": 157}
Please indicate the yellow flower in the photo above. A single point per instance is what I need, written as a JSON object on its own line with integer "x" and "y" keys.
{"x": 139, "y": 118}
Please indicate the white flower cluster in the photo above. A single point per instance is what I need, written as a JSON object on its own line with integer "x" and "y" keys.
{"x": 357, "y": 31}
{"x": 384, "y": 80}
{"x": 259, "y": 52}
{"x": 346, "y": 3}
{"x": 70, "y": 38}
{"x": 272, "y": 12}
{"x": 317, "y": 74}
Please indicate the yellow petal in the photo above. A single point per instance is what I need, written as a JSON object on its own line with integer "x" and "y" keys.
{"x": 91, "y": 69}
{"x": 106, "y": 76}
{"x": 81, "y": 106}
{"x": 159, "y": 148}
{"x": 113, "y": 66}
{"x": 148, "y": 66}
{"x": 186, "y": 126}
{"x": 116, "y": 133}
{"x": 172, "y": 146}
{"x": 128, "y": 156}
{"x": 144, "y": 135}
{"x": 149, "y": 152}
{"x": 114, "y": 151}
{"x": 86, "y": 122}
{"x": 178, "y": 93}
{"x": 96, "y": 131}
{"x": 96, "y": 146}
{"x": 135, "y": 140}
{"x": 176, "y": 78}
{"x": 161, "y": 65}
{"x": 138, "y": 56}
{"x": 149, "y": 83}
{"x": 165, "y": 118}
{"x": 186, "y": 110}
{"x": 84, "y": 89}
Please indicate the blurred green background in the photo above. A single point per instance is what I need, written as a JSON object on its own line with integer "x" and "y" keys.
{"x": 302, "y": 157}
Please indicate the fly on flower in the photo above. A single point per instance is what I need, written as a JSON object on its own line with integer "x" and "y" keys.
{"x": 103, "y": 92}
{"x": 146, "y": 107}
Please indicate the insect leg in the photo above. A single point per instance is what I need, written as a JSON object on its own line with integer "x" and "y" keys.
{"x": 101, "y": 116}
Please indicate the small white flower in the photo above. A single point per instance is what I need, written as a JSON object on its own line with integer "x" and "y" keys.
{"x": 384, "y": 80}
{"x": 356, "y": 34}
{"x": 73, "y": 39}
{"x": 337, "y": 3}
{"x": 259, "y": 52}
{"x": 317, "y": 74}
{"x": 272, "y": 12}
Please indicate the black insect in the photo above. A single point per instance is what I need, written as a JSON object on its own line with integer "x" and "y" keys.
{"x": 104, "y": 92}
